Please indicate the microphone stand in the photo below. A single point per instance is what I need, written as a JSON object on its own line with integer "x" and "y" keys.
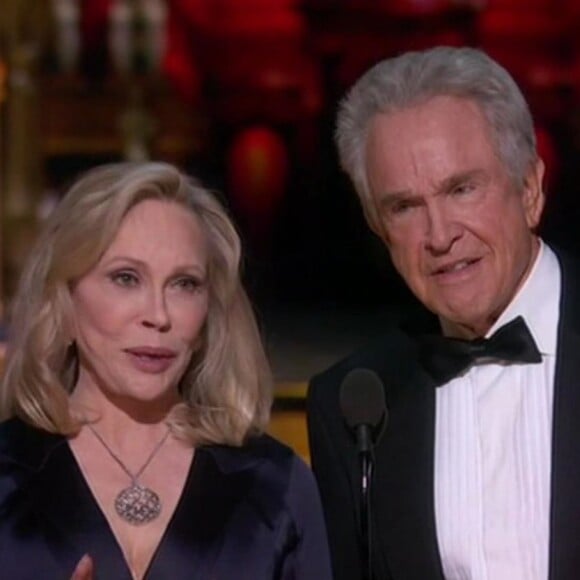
{"x": 366, "y": 458}
{"x": 363, "y": 406}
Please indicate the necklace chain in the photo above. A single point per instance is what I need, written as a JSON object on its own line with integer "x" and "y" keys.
{"x": 133, "y": 477}
{"x": 136, "y": 504}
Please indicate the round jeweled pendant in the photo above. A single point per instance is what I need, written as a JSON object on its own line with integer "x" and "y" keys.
{"x": 138, "y": 505}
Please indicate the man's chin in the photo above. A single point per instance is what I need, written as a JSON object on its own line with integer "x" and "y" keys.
{"x": 472, "y": 325}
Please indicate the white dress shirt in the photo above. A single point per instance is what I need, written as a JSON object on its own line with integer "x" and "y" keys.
{"x": 493, "y": 438}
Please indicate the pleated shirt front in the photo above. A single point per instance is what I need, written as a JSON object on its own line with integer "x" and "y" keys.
{"x": 493, "y": 434}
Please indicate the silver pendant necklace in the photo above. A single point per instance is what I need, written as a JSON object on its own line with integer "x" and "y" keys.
{"x": 136, "y": 504}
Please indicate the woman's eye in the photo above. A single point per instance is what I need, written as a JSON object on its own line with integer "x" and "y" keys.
{"x": 189, "y": 284}
{"x": 124, "y": 278}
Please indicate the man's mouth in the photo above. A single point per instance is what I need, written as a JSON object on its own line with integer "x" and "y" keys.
{"x": 454, "y": 267}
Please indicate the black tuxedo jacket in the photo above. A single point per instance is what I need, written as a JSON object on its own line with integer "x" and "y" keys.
{"x": 250, "y": 513}
{"x": 405, "y": 543}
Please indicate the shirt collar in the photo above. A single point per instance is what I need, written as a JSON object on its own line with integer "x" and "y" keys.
{"x": 538, "y": 301}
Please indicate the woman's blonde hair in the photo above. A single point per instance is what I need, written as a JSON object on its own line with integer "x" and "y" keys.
{"x": 226, "y": 389}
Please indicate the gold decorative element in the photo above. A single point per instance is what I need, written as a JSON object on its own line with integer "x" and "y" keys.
{"x": 21, "y": 37}
{"x": 137, "y": 126}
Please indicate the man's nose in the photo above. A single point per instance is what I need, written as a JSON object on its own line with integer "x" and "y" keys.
{"x": 156, "y": 314}
{"x": 442, "y": 230}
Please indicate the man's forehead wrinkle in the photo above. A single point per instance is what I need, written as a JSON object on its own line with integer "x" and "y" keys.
{"x": 415, "y": 165}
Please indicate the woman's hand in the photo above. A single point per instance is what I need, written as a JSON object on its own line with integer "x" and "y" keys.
{"x": 84, "y": 569}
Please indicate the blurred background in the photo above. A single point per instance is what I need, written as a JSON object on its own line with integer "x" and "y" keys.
{"x": 243, "y": 94}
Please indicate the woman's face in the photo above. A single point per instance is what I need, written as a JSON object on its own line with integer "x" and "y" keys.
{"x": 139, "y": 313}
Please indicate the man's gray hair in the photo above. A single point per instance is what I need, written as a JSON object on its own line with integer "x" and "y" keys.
{"x": 415, "y": 77}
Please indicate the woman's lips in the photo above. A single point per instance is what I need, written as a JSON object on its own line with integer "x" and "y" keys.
{"x": 151, "y": 359}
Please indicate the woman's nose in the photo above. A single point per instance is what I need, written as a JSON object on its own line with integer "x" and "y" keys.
{"x": 156, "y": 313}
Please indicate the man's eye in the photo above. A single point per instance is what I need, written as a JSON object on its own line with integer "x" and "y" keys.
{"x": 463, "y": 188}
{"x": 124, "y": 278}
{"x": 401, "y": 207}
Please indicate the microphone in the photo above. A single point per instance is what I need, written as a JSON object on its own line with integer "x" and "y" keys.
{"x": 362, "y": 402}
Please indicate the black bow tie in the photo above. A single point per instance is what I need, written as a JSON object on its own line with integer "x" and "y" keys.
{"x": 445, "y": 358}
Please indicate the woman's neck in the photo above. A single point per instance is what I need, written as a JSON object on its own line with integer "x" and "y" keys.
{"x": 121, "y": 421}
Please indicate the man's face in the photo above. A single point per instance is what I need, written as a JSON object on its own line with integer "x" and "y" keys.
{"x": 457, "y": 227}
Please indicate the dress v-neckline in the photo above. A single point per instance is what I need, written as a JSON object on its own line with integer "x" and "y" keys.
{"x": 87, "y": 498}
{"x": 231, "y": 509}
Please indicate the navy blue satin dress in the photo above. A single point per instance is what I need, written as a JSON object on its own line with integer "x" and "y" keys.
{"x": 250, "y": 513}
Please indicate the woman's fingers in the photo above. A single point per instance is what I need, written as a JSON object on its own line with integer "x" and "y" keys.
{"x": 84, "y": 569}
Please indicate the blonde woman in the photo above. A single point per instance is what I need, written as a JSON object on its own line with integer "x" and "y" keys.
{"x": 135, "y": 394}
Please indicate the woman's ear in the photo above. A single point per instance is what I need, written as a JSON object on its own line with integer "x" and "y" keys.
{"x": 65, "y": 306}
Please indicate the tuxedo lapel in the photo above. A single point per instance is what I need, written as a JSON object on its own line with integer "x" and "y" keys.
{"x": 403, "y": 485}
{"x": 565, "y": 499}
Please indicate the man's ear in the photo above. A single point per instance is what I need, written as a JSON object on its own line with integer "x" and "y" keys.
{"x": 533, "y": 194}
{"x": 378, "y": 228}
{"x": 374, "y": 221}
